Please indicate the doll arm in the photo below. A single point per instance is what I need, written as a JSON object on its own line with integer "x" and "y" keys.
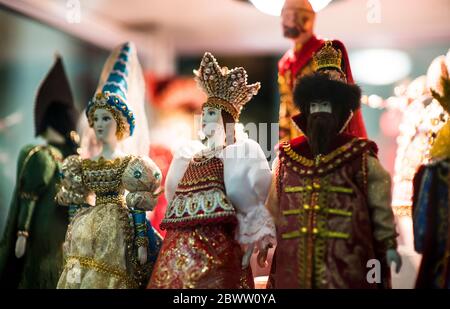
{"x": 38, "y": 171}
{"x": 379, "y": 202}
{"x": 34, "y": 176}
{"x": 247, "y": 181}
{"x": 72, "y": 192}
{"x": 142, "y": 178}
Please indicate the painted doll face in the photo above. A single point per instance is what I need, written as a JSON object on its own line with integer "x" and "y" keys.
{"x": 212, "y": 121}
{"x": 105, "y": 126}
{"x": 320, "y": 107}
{"x": 297, "y": 18}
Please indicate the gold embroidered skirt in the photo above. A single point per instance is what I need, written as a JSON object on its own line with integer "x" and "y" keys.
{"x": 98, "y": 250}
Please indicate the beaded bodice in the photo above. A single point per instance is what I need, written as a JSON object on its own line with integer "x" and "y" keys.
{"x": 200, "y": 197}
{"x": 104, "y": 178}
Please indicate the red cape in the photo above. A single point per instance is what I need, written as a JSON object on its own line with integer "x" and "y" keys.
{"x": 296, "y": 61}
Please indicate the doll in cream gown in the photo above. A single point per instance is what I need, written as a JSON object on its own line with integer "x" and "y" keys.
{"x": 110, "y": 244}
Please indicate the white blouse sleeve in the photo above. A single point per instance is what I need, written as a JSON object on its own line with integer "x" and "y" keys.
{"x": 247, "y": 181}
{"x": 178, "y": 166}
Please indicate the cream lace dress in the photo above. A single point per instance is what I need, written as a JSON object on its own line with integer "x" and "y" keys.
{"x": 100, "y": 249}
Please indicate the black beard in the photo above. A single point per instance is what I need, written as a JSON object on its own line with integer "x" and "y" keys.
{"x": 322, "y": 130}
{"x": 291, "y": 32}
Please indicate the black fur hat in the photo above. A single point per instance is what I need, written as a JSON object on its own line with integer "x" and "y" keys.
{"x": 344, "y": 98}
{"x": 54, "y": 106}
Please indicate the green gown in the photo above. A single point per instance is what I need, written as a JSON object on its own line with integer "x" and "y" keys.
{"x": 33, "y": 209}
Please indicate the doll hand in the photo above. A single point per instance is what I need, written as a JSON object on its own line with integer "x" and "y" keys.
{"x": 141, "y": 200}
{"x": 263, "y": 247}
{"x": 142, "y": 255}
{"x": 247, "y": 256}
{"x": 392, "y": 256}
{"x": 21, "y": 244}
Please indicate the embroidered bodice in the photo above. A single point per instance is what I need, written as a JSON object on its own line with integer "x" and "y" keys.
{"x": 200, "y": 197}
{"x": 104, "y": 178}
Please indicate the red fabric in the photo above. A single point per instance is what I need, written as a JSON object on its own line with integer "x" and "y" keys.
{"x": 295, "y": 61}
{"x": 201, "y": 257}
{"x": 162, "y": 156}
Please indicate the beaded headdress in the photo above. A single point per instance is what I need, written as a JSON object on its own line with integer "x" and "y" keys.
{"x": 226, "y": 89}
{"x": 328, "y": 57}
{"x": 112, "y": 90}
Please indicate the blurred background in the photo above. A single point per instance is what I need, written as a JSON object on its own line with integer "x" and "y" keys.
{"x": 390, "y": 42}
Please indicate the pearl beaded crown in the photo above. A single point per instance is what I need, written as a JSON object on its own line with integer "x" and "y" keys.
{"x": 226, "y": 89}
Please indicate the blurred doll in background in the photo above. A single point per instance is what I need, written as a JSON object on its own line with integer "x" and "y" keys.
{"x": 31, "y": 247}
{"x": 431, "y": 210}
{"x": 298, "y": 18}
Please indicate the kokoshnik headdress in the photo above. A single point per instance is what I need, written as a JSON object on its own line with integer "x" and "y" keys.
{"x": 226, "y": 89}
{"x": 112, "y": 90}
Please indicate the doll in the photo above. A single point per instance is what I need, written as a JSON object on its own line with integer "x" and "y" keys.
{"x": 30, "y": 251}
{"x": 216, "y": 192}
{"x": 111, "y": 244}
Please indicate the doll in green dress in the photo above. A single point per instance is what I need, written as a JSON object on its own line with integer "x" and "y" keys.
{"x": 31, "y": 246}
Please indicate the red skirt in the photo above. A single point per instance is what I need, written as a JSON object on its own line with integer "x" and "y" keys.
{"x": 201, "y": 257}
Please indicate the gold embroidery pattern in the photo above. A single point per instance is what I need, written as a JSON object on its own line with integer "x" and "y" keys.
{"x": 327, "y": 158}
{"x": 103, "y": 176}
{"x": 102, "y": 267}
{"x": 28, "y": 196}
{"x": 110, "y": 199}
{"x": 402, "y": 211}
{"x": 200, "y": 195}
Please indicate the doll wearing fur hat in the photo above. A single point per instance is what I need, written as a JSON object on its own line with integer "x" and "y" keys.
{"x": 330, "y": 197}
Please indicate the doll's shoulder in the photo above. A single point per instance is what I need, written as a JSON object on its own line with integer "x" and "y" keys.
{"x": 141, "y": 173}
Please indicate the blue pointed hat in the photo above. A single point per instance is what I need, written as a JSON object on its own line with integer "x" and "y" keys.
{"x": 113, "y": 87}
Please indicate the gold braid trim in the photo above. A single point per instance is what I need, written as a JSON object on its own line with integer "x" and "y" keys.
{"x": 196, "y": 181}
{"x": 223, "y": 105}
{"x": 102, "y": 267}
{"x": 110, "y": 199}
{"x": 28, "y": 196}
{"x": 322, "y": 159}
{"x": 402, "y": 211}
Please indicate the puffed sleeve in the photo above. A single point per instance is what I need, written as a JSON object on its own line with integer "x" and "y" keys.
{"x": 247, "y": 181}
{"x": 72, "y": 190}
{"x": 379, "y": 202}
{"x": 178, "y": 166}
{"x": 142, "y": 178}
{"x": 35, "y": 176}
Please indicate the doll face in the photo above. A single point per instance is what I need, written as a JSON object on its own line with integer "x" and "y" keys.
{"x": 211, "y": 121}
{"x": 320, "y": 107}
{"x": 105, "y": 125}
{"x": 297, "y": 21}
